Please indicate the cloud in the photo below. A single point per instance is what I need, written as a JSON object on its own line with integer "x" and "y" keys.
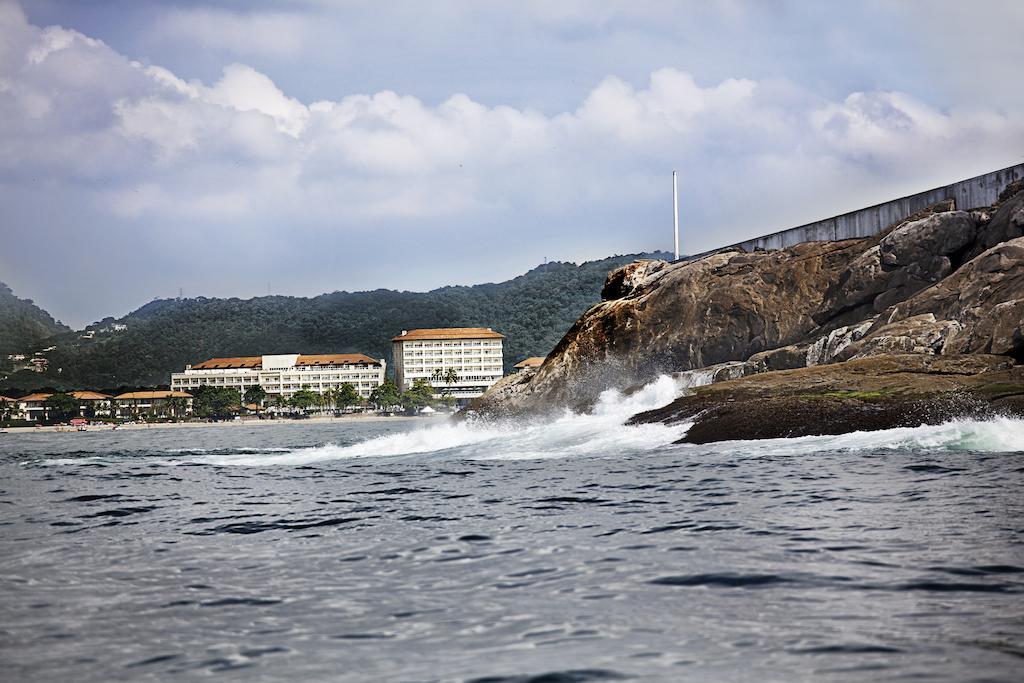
{"x": 240, "y": 164}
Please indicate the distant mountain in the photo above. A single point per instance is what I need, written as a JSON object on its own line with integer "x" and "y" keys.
{"x": 533, "y": 311}
{"x": 23, "y": 325}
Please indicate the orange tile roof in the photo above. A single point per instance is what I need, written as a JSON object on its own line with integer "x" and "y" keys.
{"x": 4, "y": 398}
{"x": 152, "y": 394}
{"x": 336, "y": 359}
{"x": 89, "y": 395}
{"x": 224, "y": 363}
{"x": 531, "y": 362}
{"x": 35, "y": 397}
{"x": 450, "y": 333}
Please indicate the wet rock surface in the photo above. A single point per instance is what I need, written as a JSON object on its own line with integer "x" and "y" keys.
{"x": 859, "y": 395}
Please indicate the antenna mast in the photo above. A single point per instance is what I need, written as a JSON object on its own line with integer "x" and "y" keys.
{"x": 675, "y": 213}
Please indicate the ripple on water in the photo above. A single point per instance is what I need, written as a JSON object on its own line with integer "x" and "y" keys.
{"x": 570, "y": 676}
{"x": 722, "y": 580}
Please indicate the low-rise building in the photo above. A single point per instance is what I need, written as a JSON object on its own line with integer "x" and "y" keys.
{"x": 284, "y": 374}
{"x": 461, "y": 362}
{"x": 530, "y": 364}
{"x": 33, "y": 407}
{"x": 92, "y": 403}
{"x": 167, "y": 403}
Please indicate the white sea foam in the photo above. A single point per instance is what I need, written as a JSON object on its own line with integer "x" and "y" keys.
{"x": 603, "y": 433}
{"x": 997, "y": 435}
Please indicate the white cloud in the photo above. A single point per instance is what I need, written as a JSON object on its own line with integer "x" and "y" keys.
{"x": 457, "y": 157}
{"x": 241, "y": 160}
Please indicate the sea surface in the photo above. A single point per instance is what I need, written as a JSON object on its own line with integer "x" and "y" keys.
{"x": 572, "y": 550}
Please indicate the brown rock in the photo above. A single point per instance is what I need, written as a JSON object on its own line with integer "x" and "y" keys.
{"x": 622, "y": 281}
{"x": 864, "y": 394}
{"x": 726, "y": 306}
{"x": 984, "y": 298}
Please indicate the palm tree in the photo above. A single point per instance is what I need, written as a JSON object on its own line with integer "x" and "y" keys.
{"x": 176, "y": 405}
{"x": 451, "y": 377}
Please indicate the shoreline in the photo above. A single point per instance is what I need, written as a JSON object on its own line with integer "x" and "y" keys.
{"x": 320, "y": 419}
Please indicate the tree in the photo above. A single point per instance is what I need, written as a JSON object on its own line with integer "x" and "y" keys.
{"x": 60, "y": 407}
{"x": 214, "y": 401}
{"x": 420, "y": 394}
{"x": 330, "y": 398}
{"x": 177, "y": 405}
{"x": 346, "y": 395}
{"x": 255, "y": 394}
{"x": 451, "y": 377}
{"x": 304, "y": 399}
{"x": 6, "y": 410}
{"x": 386, "y": 395}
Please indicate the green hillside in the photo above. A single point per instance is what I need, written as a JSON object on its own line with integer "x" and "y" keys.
{"x": 533, "y": 311}
{"x": 23, "y": 325}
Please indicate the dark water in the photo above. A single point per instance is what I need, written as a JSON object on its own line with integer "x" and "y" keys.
{"x": 596, "y": 555}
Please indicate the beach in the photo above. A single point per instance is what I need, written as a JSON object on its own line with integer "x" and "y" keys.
{"x": 242, "y": 422}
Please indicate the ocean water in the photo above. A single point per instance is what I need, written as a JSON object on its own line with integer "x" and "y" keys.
{"x": 573, "y": 550}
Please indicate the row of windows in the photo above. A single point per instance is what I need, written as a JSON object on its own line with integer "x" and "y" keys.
{"x": 431, "y": 354}
{"x": 199, "y": 381}
{"x": 316, "y": 387}
{"x": 373, "y": 381}
{"x": 490, "y": 379}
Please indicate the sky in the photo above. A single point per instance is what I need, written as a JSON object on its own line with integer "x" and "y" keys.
{"x": 223, "y": 148}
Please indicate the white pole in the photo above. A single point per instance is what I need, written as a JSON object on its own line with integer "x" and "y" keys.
{"x": 675, "y": 213}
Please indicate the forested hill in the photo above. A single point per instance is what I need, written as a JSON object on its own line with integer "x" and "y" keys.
{"x": 533, "y": 311}
{"x": 23, "y": 325}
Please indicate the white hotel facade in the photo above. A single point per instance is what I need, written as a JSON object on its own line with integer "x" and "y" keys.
{"x": 474, "y": 353}
{"x": 284, "y": 374}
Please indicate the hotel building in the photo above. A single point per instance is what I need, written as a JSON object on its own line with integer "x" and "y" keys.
{"x": 473, "y": 353}
{"x": 284, "y": 374}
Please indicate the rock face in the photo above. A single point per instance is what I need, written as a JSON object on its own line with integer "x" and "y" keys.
{"x": 667, "y": 318}
{"x": 942, "y": 283}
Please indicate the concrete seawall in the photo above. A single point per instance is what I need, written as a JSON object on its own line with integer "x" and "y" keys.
{"x": 981, "y": 190}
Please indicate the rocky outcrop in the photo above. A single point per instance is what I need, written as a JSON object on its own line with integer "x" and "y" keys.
{"x": 668, "y": 318}
{"x": 983, "y": 303}
{"x": 864, "y": 394}
{"x": 622, "y": 281}
{"x": 906, "y": 260}
{"x": 943, "y": 283}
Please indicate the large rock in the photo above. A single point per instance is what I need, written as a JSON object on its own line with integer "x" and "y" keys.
{"x": 985, "y": 298}
{"x": 918, "y": 334}
{"x": 881, "y": 392}
{"x": 908, "y": 259}
{"x": 1006, "y": 223}
{"x": 723, "y": 307}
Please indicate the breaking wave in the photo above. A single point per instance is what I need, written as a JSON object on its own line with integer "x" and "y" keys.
{"x": 996, "y": 435}
{"x": 600, "y": 432}
{"x": 603, "y": 433}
